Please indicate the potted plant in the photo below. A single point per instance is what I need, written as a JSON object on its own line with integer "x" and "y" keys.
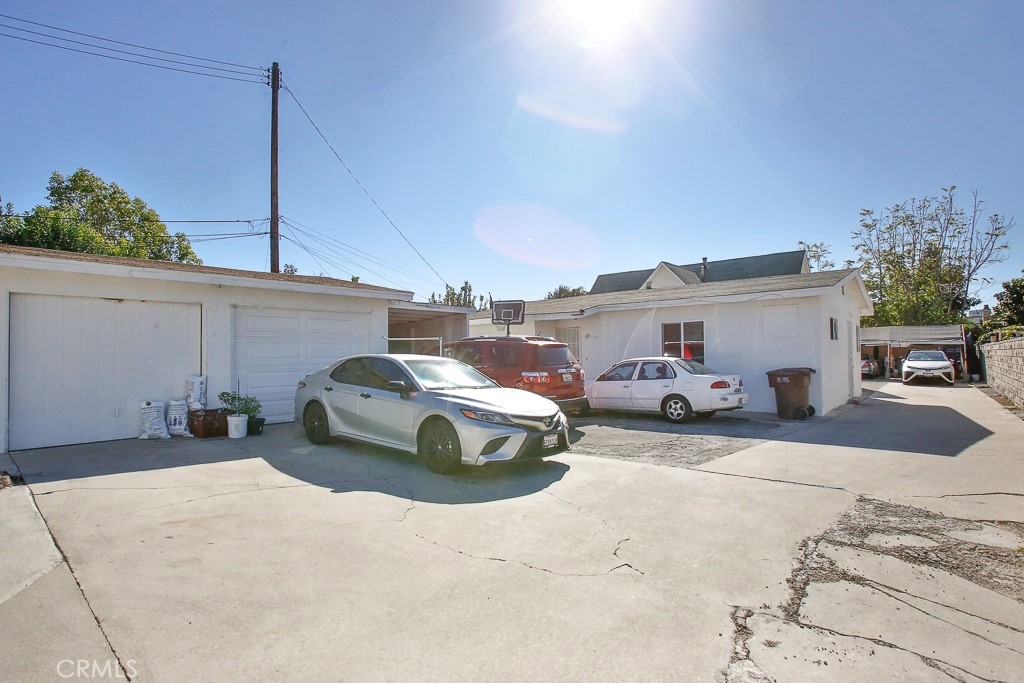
{"x": 247, "y": 407}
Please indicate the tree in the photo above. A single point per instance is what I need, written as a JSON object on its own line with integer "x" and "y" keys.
{"x": 456, "y": 297}
{"x": 565, "y": 292}
{"x": 817, "y": 255}
{"x": 921, "y": 258}
{"x": 89, "y": 215}
{"x": 1010, "y": 309}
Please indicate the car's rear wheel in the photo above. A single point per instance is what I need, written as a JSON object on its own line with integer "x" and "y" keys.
{"x": 314, "y": 421}
{"x": 439, "y": 446}
{"x": 676, "y": 409}
{"x": 705, "y": 414}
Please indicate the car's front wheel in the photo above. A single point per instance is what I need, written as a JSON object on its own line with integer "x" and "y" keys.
{"x": 439, "y": 446}
{"x": 314, "y": 421}
{"x": 676, "y": 409}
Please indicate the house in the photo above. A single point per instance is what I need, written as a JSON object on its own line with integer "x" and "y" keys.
{"x": 86, "y": 338}
{"x": 747, "y": 323}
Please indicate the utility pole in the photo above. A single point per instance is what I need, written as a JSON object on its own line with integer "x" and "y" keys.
{"x": 275, "y": 216}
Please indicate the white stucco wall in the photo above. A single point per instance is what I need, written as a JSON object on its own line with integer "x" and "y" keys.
{"x": 216, "y": 299}
{"x": 746, "y": 338}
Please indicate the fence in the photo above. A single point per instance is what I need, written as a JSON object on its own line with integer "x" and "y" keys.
{"x": 1004, "y": 368}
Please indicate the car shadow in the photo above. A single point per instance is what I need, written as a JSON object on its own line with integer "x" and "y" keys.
{"x": 340, "y": 466}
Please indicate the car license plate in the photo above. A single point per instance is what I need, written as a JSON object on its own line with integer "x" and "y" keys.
{"x": 567, "y": 377}
{"x": 550, "y": 440}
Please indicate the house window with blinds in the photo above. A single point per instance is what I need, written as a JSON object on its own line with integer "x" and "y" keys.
{"x": 570, "y": 336}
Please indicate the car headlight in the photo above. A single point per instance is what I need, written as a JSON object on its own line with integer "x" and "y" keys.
{"x": 483, "y": 416}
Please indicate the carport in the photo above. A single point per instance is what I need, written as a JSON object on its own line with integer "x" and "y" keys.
{"x": 891, "y": 343}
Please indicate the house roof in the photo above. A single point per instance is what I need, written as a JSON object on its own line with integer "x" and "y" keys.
{"x": 80, "y": 261}
{"x": 761, "y": 287}
{"x": 781, "y": 263}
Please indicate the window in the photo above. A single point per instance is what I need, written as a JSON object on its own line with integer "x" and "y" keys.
{"x": 683, "y": 340}
{"x": 619, "y": 373}
{"x": 655, "y": 370}
{"x": 570, "y": 336}
{"x": 384, "y": 371}
{"x": 352, "y": 371}
{"x": 833, "y": 329}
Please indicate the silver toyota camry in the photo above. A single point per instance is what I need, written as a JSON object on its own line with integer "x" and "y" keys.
{"x": 440, "y": 408}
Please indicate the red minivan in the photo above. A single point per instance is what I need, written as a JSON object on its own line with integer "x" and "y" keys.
{"x": 542, "y": 365}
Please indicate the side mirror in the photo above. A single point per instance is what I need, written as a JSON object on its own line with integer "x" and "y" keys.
{"x": 399, "y": 387}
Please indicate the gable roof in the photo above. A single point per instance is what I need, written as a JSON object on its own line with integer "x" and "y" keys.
{"x": 765, "y": 265}
{"x": 800, "y": 284}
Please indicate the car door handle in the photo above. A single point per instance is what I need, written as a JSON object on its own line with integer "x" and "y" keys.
{"x": 365, "y": 395}
{"x": 328, "y": 388}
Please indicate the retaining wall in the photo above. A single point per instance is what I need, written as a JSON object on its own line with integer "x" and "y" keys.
{"x": 1004, "y": 368}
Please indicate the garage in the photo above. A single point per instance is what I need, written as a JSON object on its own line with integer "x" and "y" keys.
{"x": 84, "y": 338}
{"x": 275, "y": 348}
{"x": 80, "y": 366}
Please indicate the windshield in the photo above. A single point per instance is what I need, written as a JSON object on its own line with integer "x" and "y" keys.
{"x": 926, "y": 355}
{"x": 443, "y": 373}
{"x": 693, "y": 367}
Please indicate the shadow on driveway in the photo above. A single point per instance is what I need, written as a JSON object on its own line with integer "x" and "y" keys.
{"x": 341, "y": 466}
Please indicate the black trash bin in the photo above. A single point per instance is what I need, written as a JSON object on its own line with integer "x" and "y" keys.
{"x": 792, "y": 392}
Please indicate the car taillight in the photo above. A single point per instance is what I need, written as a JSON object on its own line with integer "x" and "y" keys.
{"x": 721, "y": 384}
{"x": 536, "y": 378}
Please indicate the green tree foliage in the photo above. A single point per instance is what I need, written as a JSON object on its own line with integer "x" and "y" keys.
{"x": 1010, "y": 307}
{"x": 818, "y": 255}
{"x": 457, "y": 297}
{"x": 921, "y": 259}
{"x": 89, "y": 215}
{"x": 565, "y": 292}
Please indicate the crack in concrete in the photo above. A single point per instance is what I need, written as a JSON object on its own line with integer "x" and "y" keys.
{"x": 777, "y": 481}
{"x": 852, "y": 530}
{"x": 85, "y": 598}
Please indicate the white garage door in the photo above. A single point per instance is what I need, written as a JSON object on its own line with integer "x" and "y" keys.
{"x": 80, "y": 367}
{"x": 275, "y": 348}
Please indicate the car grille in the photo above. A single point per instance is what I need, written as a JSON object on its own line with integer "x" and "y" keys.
{"x": 536, "y": 424}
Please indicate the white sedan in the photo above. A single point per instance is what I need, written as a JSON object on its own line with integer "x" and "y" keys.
{"x": 675, "y": 387}
{"x": 928, "y": 365}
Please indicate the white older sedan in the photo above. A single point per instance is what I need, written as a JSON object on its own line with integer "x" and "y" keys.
{"x": 675, "y": 387}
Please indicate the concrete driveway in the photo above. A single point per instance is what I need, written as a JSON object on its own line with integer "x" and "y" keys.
{"x": 884, "y": 541}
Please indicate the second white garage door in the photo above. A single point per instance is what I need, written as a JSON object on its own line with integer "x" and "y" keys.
{"x": 274, "y": 348}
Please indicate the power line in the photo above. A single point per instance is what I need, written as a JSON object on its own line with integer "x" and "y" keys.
{"x": 118, "y": 42}
{"x": 357, "y": 253}
{"x": 343, "y": 258}
{"x": 132, "y": 61}
{"x": 125, "y": 52}
{"x": 362, "y": 187}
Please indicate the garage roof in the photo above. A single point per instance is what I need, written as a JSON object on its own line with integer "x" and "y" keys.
{"x": 186, "y": 272}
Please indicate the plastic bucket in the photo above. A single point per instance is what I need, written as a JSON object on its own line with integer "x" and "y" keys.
{"x": 238, "y": 425}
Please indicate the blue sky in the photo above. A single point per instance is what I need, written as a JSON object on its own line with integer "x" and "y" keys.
{"x": 522, "y": 145}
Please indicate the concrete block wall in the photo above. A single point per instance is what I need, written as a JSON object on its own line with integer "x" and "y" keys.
{"x": 1004, "y": 368}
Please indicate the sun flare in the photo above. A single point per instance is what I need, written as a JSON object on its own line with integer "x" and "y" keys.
{"x": 603, "y": 22}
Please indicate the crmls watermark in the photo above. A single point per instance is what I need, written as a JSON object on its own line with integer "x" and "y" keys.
{"x": 94, "y": 668}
